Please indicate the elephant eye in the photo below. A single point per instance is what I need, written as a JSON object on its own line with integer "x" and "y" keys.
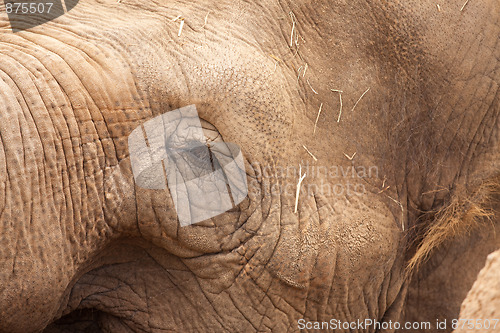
{"x": 199, "y": 154}
{"x": 194, "y": 160}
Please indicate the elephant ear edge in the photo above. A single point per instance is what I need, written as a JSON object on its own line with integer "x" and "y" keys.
{"x": 483, "y": 300}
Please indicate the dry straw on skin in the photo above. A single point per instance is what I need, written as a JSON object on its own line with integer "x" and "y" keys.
{"x": 465, "y": 4}
{"x": 206, "y": 20}
{"x": 367, "y": 90}
{"x": 180, "y": 28}
{"x": 314, "y": 91}
{"x": 275, "y": 58}
{"x": 181, "y": 19}
{"x": 340, "y": 97}
{"x": 277, "y": 61}
{"x": 402, "y": 212}
{"x": 298, "y": 74}
{"x": 384, "y": 189}
{"x": 293, "y": 28}
{"x": 299, "y": 183}
{"x": 350, "y": 157}
{"x": 314, "y": 157}
{"x": 317, "y": 118}
{"x": 294, "y": 34}
{"x": 340, "y": 111}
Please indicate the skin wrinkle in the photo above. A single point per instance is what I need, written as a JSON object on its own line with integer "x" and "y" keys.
{"x": 23, "y": 140}
{"x": 106, "y": 134}
{"x": 187, "y": 299}
{"x": 495, "y": 125}
{"x": 456, "y": 54}
{"x": 274, "y": 251}
{"x": 84, "y": 189}
{"x": 93, "y": 101}
{"x": 496, "y": 114}
{"x": 242, "y": 313}
{"x": 465, "y": 115}
{"x": 255, "y": 281}
{"x": 3, "y": 172}
{"x": 470, "y": 150}
{"x": 206, "y": 297}
{"x": 18, "y": 241}
{"x": 41, "y": 175}
{"x": 8, "y": 181}
{"x": 471, "y": 143}
{"x": 268, "y": 298}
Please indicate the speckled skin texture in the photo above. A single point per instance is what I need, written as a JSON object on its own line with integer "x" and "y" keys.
{"x": 83, "y": 248}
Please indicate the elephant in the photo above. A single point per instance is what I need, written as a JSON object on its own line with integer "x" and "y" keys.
{"x": 368, "y": 135}
{"x": 480, "y": 310}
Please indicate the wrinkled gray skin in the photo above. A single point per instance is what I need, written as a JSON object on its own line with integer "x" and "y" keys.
{"x": 79, "y": 239}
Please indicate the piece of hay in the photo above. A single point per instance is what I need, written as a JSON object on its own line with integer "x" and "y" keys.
{"x": 180, "y": 28}
{"x": 314, "y": 91}
{"x": 317, "y": 118}
{"x": 340, "y": 111}
{"x": 276, "y": 62}
{"x": 275, "y": 58}
{"x": 340, "y": 97}
{"x": 298, "y": 73}
{"x": 439, "y": 7}
{"x": 402, "y": 212}
{"x": 367, "y": 90}
{"x": 293, "y": 29}
{"x": 314, "y": 157}
{"x": 350, "y": 157}
{"x": 299, "y": 183}
{"x": 206, "y": 20}
{"x": 465, "y": 4}
{"x": 305, "y": 70}
{"x": 384, "y": 189}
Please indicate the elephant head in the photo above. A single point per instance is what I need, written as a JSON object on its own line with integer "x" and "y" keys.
{"x": 361, "y": 139}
